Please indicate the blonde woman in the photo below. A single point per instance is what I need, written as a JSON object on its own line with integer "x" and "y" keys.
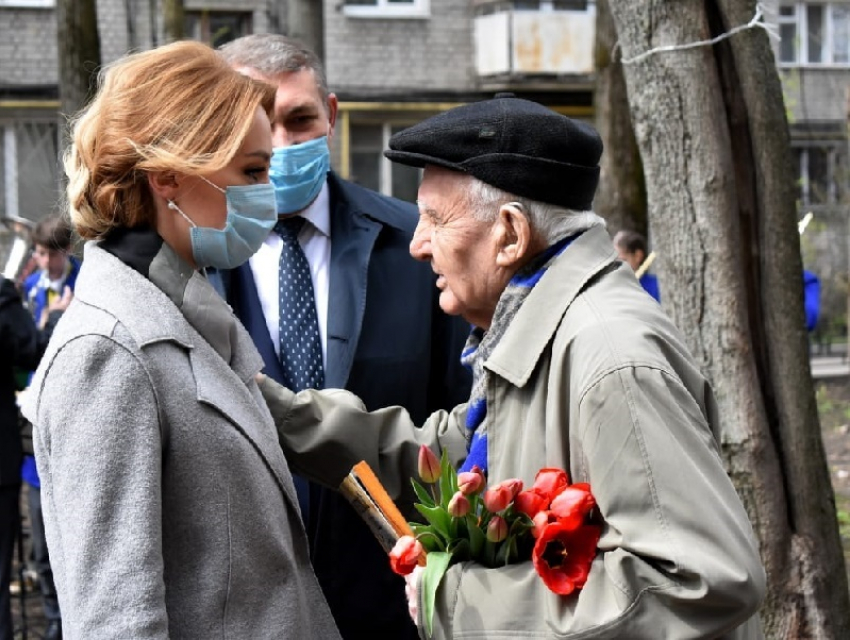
{"x": 169, "y": 508}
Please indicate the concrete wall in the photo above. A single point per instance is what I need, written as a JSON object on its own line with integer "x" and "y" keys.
{"x": 27, "y": 47}
{"x": 398, "y": 56}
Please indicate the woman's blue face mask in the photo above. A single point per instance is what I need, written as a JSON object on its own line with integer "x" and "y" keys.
{"x": 298, "y": 173}
{"x": 251, "y": 215}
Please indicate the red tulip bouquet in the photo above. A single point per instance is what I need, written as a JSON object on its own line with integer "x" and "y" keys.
{"x": 495, "y": 526}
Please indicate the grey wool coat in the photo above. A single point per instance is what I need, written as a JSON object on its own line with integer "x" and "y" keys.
{"x": 169, "y": 508}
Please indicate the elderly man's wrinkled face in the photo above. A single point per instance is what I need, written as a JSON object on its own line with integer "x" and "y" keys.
{"x": 462, "y": 250}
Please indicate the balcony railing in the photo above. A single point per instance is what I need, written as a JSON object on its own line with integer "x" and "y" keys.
{"x": 534, "y": 37}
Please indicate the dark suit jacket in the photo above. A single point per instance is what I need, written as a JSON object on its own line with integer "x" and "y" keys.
{"x": 390, "y": 344}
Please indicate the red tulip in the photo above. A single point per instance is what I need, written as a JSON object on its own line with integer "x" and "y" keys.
{"x": 541, "y": 521}
{"x": 458, "y": 505}
{"x": 470, "y": 482}
{"x": 497, "y": 529}
{"x": 530, "y": 503}
{"x": 405, "y": 555}
{"x": 500, "y": 496}
{"x": 429, "y": 465}
{"x": 573, "y": 504}
{"x": 550, "y": 482}
{"x": 562, "y": 557}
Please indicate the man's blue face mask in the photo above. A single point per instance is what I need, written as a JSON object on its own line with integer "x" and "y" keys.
{"x": 251, "y": 216}
{"x": 298, "y": 174}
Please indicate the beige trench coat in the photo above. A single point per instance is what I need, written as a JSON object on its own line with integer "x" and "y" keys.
{"x": 593, "y": 377}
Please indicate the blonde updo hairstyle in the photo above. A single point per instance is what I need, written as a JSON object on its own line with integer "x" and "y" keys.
{"x": 178, "y": 108}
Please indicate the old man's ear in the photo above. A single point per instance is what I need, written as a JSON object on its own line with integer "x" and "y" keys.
{"x": 515, "y": 235}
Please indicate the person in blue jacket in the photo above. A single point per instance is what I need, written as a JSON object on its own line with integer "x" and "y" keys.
{"x": 811, "y": 299}
{"x": 631, "y": 248}
{"x": 381, "y": 332}
{"x": 55, "y": 275}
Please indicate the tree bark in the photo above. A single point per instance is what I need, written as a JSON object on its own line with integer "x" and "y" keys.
{"x": 621, "y": 197}
{"x": 711, "y": 128}
{"x": 305, "y": 23}
{"x": 173, "y": 20}
{"x": 78, "y": 46}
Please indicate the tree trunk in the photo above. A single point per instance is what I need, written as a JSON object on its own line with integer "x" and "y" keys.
{"x": 305, "y": 23}
{"x": 621, "y": 197}
{"x": 78, "y": 46}
{"x": 173, "y": 20}
{"x": 711, "y": 128}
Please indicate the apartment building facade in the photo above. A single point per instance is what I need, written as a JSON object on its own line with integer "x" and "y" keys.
{"x": 394, "y": 62}
{"x": 813, "y": 56}
{"x": 390, "y": 62}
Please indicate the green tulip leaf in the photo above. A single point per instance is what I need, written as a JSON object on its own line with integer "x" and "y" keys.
{"x": 438, "y": 517}
{"x": 459, "y": 548}
{"x": 432, "y": 575}
{"x": 421, "y": 493}
{"x": 476, "y": 537}
{"x": 448, "y": 480}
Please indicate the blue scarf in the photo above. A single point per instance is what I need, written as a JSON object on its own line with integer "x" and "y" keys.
{"x": 480, "y": 345}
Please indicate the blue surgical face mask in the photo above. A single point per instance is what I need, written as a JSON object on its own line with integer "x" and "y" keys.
{"x": 251, "y": 216}
{"x": 298, "y": 173}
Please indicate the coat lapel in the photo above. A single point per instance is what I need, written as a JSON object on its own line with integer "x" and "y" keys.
{"x": 215, "y": 380}
{"x": 518, "y": 351}
{"x": 245, "y": 410}
{"x": 353, "y": 236}
{"x": 246, "y": 305}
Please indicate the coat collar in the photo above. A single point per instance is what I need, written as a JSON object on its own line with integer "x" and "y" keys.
{"x": 104, "y": 274}
{"x": 107, "y": 274}
{"x": 520, "y": 348}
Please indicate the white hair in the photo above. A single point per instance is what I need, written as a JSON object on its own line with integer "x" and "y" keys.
{"x": 549, "y": 220}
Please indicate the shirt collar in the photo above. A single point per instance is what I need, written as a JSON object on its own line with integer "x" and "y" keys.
{"x": 318, "y": 213}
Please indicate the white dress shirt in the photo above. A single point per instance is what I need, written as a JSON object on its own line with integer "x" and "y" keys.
{"x": 315, "y": 240}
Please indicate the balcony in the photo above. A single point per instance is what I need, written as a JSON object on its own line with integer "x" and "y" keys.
{"x": 534, "y": 39}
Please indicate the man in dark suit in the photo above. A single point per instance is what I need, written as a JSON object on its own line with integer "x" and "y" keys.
{"x": 380, "y": 331}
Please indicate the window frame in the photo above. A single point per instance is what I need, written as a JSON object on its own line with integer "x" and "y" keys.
{"x": 386, "y": 9}
{"x": 835, "y": 164}
{"x": 385, "y": 165}
{"x": 27, "y": 4}
{"x": 801, "y": 46}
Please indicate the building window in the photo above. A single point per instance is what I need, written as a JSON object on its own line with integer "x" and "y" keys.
{"x": 821, "y": 174}
{"x": 28, "y": 4}
{"x": 387, "y": 8}
{"x": 814, "y": 33}
{"x": 369, "y": 167}
{"x": 30, "y": 166}
{"x": 215, "y": 28}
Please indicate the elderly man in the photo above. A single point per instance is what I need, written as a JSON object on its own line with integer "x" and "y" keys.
{"x": 574, "y": 367}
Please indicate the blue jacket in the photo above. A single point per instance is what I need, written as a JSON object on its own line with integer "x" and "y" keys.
{"x": 649, "y": 281}
{"x": 811, "y": 299}
{"x": 36, "y": 297}
{"x": 389, "y": 343}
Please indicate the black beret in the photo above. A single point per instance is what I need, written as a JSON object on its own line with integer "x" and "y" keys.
{"x": 516, "y": 145}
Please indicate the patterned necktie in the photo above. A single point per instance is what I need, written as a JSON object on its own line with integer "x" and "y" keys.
{"x": 300, "y": 345}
